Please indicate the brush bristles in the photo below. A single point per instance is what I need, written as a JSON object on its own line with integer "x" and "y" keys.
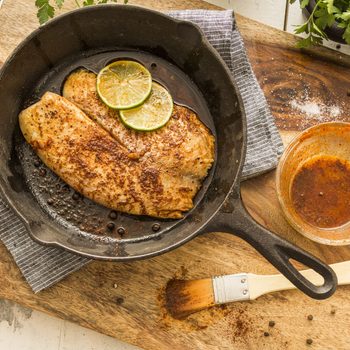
{"x": 185, "y": 297}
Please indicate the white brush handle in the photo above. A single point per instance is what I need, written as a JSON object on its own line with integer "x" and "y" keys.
{"x": 263, "y": 284}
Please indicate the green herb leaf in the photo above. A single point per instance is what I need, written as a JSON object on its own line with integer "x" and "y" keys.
{"x": 345, "y": 16}
{"x": 325, "y": 14}
{"x": 40, "y": 3}
{"x": 59, "y": 3}
{"x": 304, "y": 28}
{"x": 346, "y": 35}
{"x": 45, "y": 10}
{"x": 330, "y": 6}
{"x": 304, "y": 3}
{"x": 304, "y": 42}
{"x": 318, "y": 31}
{"x": 342, "y": 25}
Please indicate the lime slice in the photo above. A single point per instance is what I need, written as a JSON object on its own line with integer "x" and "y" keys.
{"x": 153, "y": 114}
{"x": 124, "y": 84}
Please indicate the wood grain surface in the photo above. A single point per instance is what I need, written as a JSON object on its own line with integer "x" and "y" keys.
{"x": 125, "y": 300}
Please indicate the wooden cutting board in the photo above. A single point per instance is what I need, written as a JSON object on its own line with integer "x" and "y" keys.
{"x": 125, "y": 300}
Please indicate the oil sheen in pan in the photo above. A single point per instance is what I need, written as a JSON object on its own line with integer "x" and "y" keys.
{"x": 71, "y": 209}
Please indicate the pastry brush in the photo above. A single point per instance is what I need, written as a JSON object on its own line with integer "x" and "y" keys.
{"x": 185, "y": 297}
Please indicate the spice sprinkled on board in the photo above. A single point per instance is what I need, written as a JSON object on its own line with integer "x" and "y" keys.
{"x": 312, "y": 109}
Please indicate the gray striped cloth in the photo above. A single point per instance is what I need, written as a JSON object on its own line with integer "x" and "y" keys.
{"x": 45, "y": 266}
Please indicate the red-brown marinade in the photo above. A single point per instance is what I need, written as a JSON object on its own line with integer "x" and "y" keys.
{"x": 320, "y": 191}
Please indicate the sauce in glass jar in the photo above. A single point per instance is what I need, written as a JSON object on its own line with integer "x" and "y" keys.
{"x": 320, "y": 191}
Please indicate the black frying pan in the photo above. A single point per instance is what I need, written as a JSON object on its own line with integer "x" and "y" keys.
{"x": 92, "y": 37}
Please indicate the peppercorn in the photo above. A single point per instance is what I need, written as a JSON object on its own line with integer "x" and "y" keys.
{"x": 113, "y": 215}
{"x": 75, "y": 196}
{"x": 156, "y": 227}
{"x": 121, "y": 231}
{"x": 110, "y": 226}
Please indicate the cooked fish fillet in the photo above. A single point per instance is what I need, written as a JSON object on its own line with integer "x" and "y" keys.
{"x": 182, "y": 152}
{"x": 183, "y": 148}
{"x": 97, "y": 165}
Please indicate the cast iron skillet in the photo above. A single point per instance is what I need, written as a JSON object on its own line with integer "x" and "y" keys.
{"x": 59, "y": 47}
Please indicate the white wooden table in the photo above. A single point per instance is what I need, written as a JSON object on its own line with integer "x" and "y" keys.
{"x": 24, "y": 329}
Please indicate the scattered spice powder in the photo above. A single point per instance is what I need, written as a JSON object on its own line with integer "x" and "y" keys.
{"x": 272, "y": 323}
{"x": 310, "y": 317}
{"x": 311, "y": 109}
{"x": 309, "y": 341}
{"x": 316, "y": 110}
{"x": 240, "y": 324}
{"x": 266, "y": 334}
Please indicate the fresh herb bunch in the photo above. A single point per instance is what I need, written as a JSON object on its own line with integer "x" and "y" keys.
{"x": 325, "y": 14}
{"x": 47, "y": 8}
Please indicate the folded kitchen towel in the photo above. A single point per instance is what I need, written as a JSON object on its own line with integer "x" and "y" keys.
{"x": 44, "y": 266}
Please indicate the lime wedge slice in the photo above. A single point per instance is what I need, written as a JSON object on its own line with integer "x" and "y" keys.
{"x": 153, "y": 114}
{"x": 124, "y": 84}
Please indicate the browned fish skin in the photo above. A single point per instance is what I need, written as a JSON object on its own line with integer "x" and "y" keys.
{"x": 155, "y": 174}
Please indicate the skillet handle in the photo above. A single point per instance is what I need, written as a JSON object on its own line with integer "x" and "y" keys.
{"x": 277, "y": 250}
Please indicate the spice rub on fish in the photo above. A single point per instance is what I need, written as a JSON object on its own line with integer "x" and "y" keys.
{"x": 184, "y": 147}
{"x": 92, "y": 160}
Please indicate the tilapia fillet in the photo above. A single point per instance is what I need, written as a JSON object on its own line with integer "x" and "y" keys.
{"x": 98, "y": 164}
{"x": 184, "y": 147}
